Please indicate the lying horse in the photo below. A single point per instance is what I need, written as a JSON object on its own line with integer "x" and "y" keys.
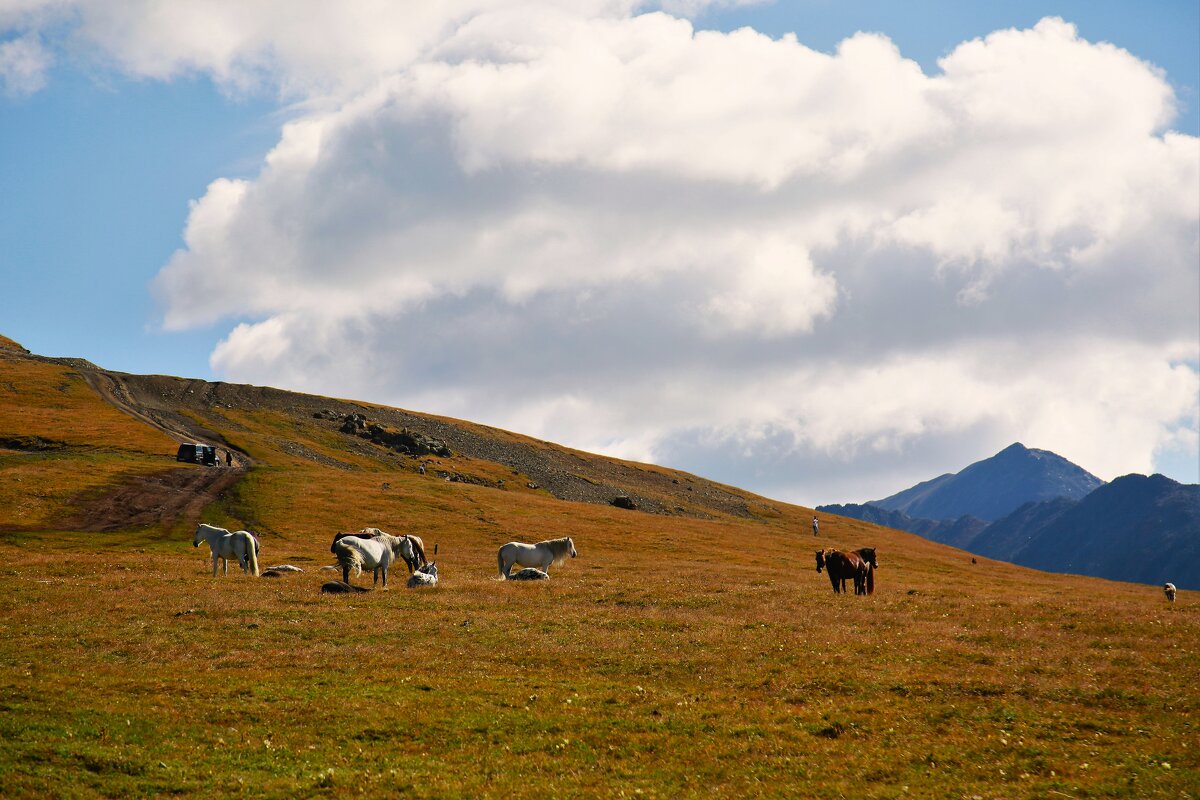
{"x": 338, "y": 587}
{"x": 425, "y": 575}
{"x": 841, "y": 566}
{"x": 541, "y": 555}
{"x": 241, "y": 545}
{"x": 377, "y": 553}
{"x": 529, "y": 574}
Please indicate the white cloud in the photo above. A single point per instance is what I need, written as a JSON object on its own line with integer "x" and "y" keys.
{"x": 734, "y": 252}
{"x": 23, "y": 65}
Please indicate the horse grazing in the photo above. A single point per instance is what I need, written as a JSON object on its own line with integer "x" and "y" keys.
{"x": 542, "y": 555}
{"x": 1169, "y": 591}
{"x": 241, "y": 545}
{"x": 425, "y": 575}
{"x": 377, "y": 553}
{"x": 840, "y": 566}
{"x": 418, "y": 548}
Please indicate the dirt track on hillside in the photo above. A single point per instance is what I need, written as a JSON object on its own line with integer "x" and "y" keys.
{"x": 164, "y": 497}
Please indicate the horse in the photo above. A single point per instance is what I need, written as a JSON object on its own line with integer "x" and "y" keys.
{"x": 416, "y": 559}
{"x": 841, "y": 566}
{"x": 241, "y": 545}
{"x": 542, "y": 555}
{"x": 867, "y": 554}
{"x": 377, "y": 553}
{"x": 338, "y": 587}
{"x": 1169, "y": 591}
{"x": 425, "y": 575}
{"x": 529, "y": 574}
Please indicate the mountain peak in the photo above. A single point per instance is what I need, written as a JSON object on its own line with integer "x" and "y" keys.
{"x": 996, "y": 486}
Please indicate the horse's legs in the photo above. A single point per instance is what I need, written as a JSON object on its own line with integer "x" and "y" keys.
{"x": 376, "y": 581}
{"x": 384, "y": 577}
{"x": 345, "y": 573}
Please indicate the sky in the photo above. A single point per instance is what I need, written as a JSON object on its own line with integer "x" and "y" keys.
{"x": 819, "y": 250}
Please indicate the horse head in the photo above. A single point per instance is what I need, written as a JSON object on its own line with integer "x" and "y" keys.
{"x": 571, "y": 544}
{"x": 402, "y": 546}
{"x": 868, "y": 555}
{"x": 820, "y": 560}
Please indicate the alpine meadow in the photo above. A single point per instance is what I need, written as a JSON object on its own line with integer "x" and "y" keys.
{"x": 690, "y": 650}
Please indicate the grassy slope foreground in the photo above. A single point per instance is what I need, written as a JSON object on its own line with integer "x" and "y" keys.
{"x": 693, "y": 652}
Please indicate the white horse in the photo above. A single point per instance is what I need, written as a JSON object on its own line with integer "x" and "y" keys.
{"x": 528, "y": 574}
{"x": 377, "y": 553}
{"x": 542, "y": 555}
{"x": 1169, "y": 590}
{"x": 242, "y": 545}
{"x": 425, "y": 575}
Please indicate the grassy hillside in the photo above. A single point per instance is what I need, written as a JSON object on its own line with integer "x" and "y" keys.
{"x": 689, "y": 652}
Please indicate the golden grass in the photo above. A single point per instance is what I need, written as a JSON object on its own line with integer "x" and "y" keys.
{"x": 674, "y": 658}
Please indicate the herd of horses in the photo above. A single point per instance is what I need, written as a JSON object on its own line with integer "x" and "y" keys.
{"x": 376, "y": 550}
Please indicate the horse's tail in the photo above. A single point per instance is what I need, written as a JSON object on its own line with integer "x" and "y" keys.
{"x": 500, "y": 564}
{"x": 348, "y": 557}
{"x": 870, "y": 579}
{"x": 252, "y": 553}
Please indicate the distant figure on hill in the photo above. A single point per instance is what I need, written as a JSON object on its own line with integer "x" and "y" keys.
{"x": 228, "y": 458}
{"x": 421, "y": 469}
{"x": 816, "y": 526}
{"x": 1169, "y": 591}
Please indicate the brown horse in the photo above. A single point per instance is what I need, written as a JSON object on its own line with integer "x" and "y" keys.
{"x": 867, "y": 554}
{"x": 841, "y": 566}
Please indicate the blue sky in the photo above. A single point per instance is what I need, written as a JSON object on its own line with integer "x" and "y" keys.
{"x": 104, "y": 163}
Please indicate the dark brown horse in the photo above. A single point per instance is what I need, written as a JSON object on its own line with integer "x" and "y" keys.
{"x": 867, "y": 554}
{"x": 357, "y": 534}
{"x": 840, "y": 566}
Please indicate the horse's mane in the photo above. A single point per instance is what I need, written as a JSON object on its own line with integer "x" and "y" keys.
{"x": 561, "y": 548}
{"x": 418, "y": 550}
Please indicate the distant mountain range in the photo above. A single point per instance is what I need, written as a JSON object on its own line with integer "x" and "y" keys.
{"x": 1036, "y": 509}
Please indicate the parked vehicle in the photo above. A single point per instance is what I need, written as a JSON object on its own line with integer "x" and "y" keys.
{"x": 196, "y": 453}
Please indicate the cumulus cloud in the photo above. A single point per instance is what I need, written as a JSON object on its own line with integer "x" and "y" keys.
{"x": 822, "y": 275}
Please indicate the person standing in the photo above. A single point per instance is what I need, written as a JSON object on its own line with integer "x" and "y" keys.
{"x": 816, "y": 526}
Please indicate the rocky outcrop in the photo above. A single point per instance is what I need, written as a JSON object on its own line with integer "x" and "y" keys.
{"x": 404, "y": 441}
